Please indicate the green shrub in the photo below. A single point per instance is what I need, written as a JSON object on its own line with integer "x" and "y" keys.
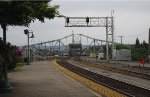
{"x": 10, "y": 54}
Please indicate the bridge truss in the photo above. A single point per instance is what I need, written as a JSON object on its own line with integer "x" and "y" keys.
{"x": 48, "y": 49}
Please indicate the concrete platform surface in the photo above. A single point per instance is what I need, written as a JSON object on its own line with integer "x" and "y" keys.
{"x": 41, "y": 79}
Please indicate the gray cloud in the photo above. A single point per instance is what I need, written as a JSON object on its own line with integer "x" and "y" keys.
{"x": 131, "y": 20}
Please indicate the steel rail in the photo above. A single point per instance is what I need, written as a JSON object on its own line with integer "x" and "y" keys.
{"x": 122, "y": 70}
{"x": 122, "y": 87}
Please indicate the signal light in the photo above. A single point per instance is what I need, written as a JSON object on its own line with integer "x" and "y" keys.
{"x": 26, "y": 31}
{"x": 67, "y": 20}
{"x": 87, "y": 20}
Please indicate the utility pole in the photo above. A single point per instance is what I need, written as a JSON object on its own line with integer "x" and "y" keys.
{"x": 113, "y": 44}
{"x": 121, "y": 38}
{"x": 149, "y": 46}
{"x": 59, "y": 47}
{"x": 107, "y": 55}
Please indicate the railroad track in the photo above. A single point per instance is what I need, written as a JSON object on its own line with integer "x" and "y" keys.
{"x": 122, "y": 87}
{"x": 126, "y": 71}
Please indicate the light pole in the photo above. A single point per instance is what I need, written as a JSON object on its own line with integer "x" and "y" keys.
{"x": 26, "y": 31}
{"x": 121, "y": 38}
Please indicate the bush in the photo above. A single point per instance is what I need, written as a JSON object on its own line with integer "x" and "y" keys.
{"x": 10, "y": 54}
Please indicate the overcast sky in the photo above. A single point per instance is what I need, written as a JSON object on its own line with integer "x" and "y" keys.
{"x": 132, "y": 20}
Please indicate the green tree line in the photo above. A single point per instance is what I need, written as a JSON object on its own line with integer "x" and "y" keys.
{"x": 138, "y": 50}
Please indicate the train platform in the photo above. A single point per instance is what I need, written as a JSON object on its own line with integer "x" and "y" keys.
{"x": 42, "y": 79}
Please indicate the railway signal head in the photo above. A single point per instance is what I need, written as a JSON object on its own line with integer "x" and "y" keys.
{"x": 26, "y": 31}
{"x": 67, "y": 20}
{"x": 87, "y": 20}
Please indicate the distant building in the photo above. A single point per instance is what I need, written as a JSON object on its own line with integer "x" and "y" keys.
{"x": 75, "y": 49}
{"x": 100, "y": 55}
{"x": 123, "y": 55}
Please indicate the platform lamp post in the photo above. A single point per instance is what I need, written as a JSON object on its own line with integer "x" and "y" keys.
{"x": 26, "y": 31}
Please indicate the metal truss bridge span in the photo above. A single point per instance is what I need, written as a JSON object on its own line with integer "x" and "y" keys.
{"x": 59, "y": 47}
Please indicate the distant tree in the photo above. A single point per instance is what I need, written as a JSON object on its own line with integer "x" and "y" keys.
{"x": 122, "y": 46}
{"x": 16, "y": 13}
{"x": 140, "y": 50}
{"x": 137, "y": 43}
{"x": 144, "y": 45}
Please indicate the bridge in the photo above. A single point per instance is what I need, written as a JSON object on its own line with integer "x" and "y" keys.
{"x": 54, "y": 46}
{"x": 61, "y": 47}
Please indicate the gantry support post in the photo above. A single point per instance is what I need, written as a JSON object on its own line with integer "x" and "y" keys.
{"x": 107, "y": 55}
{"x": 96, "y": 22}
{"x": 59, "y": 47}
{"x": 94, "y": 47}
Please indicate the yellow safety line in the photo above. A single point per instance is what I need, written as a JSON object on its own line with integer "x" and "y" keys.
{"x": 93, "y": 92}
{"x": 93, "y": 85}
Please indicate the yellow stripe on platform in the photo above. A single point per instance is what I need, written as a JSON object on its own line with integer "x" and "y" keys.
{"x": 93, "y": 85}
